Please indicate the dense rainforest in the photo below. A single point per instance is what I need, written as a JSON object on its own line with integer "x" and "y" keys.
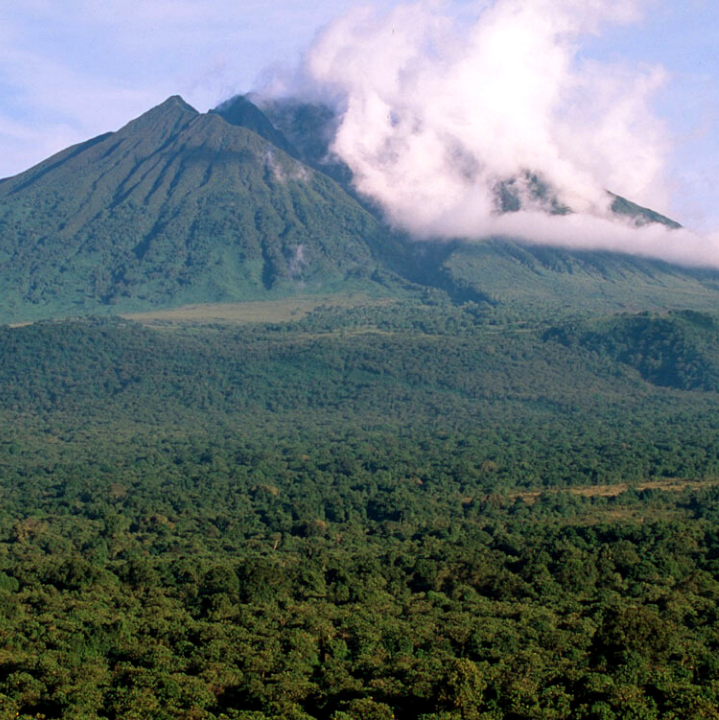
{"x": 399, "y": 509}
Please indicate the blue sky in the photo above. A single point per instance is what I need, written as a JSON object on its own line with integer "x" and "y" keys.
{"x": 72, "y": 69}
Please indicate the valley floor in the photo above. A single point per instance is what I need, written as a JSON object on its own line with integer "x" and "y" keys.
{"x": 360, "y": 512}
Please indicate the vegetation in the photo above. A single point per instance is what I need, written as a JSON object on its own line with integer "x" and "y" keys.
{"x": 182, "y": 208}
{"x": 398, "y": 510}
{"x": 448, "y": 481}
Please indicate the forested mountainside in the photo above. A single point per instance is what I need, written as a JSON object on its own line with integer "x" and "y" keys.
{"x": 180, "y": 207}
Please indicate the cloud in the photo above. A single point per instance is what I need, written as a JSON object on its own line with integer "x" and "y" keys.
{"x": 587, "y": 232}
{"x": 437, "y": 112}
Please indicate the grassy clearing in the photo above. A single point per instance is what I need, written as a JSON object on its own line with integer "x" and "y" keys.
{"x": 271, "y": 311}
{"x": 609, "y": 491}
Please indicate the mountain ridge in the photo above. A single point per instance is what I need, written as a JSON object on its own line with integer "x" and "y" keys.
{"x": 180, "y": 207}
{"x": 308, "y": 128}
{"x": 179, "y": 193}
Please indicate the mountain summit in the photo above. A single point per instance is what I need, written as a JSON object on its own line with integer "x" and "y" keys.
{"x": 240, "y": 111}
{"x": 183, "y": 207}
{"x": 177, "y": 207}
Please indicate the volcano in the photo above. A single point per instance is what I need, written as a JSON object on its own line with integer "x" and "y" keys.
{"x": 238, "y": 205}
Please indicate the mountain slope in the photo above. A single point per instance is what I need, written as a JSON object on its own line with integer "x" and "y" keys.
{"x": 308, "y": 128}
{"x": 177, "y": 207}
{"x": 510, "y": 274}
{"x": 242, "y": 112}
{"x": 679, "y": 350}
{"x": 180, "y": 207}
{"x": 533, "y": 281}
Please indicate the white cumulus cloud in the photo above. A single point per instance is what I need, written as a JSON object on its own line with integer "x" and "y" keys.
{"x": 437, "y": 109}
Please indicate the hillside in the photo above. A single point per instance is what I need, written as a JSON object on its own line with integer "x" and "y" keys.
{"x": 179, "y": 207}
{"x": 536, "y": 281}
{"x": 238, "y": 204}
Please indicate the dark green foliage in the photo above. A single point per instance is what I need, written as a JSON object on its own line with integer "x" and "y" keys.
{"x": 197, "y": 606}
{"x": 515, "y": 405}
{"x": 679, "y": 350}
